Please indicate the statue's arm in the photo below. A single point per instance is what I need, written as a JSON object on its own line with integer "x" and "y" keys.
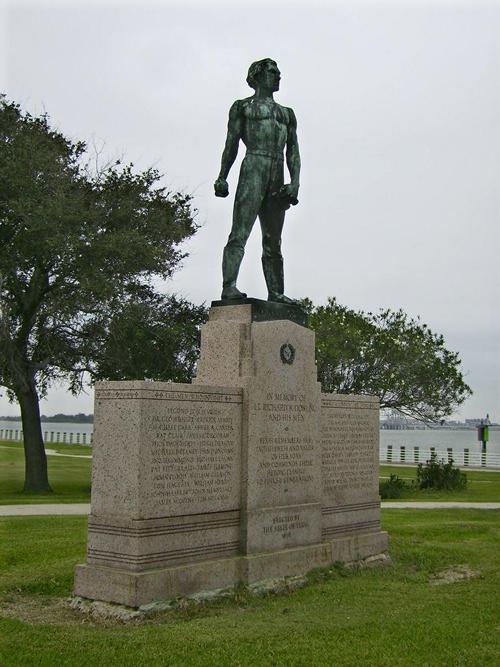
{"x": 293, "y": 155}
{"x": 230, "y": 150}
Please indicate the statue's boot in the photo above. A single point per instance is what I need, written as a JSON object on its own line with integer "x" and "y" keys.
{"x": 230, "y": 267}
{"x": 232, "y": 292}
{"x": 273, "y": 273}
{"x": 281, "y": 298}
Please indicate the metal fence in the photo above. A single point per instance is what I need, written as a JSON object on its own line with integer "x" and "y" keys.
{"x": 69, "y": 438}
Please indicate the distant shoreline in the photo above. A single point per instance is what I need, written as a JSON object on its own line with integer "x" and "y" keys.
{"x": 57, "y": 419}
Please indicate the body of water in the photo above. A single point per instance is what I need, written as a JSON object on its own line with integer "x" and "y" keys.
{"x": 68, "y": 432}
{"x": 461, "y": 445}
{"x": 441, "y": 439}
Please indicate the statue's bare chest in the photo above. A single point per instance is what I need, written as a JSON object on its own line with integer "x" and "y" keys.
{"x": 265, "y": 113}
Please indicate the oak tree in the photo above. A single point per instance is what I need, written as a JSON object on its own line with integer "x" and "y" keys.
{"x": 149, "y": 336}
{"x": 77, "y": 248}
{"x": 390, "y": 355}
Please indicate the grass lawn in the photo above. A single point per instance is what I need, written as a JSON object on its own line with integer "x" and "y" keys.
{"x": 482, "y": 486}
{"x": 384, "y": 617}
{"x": 70, "y": 479}
{"x": 68, "y": 476}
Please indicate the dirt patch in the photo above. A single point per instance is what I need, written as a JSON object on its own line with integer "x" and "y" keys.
{"x": 74, "y": 611}
{"x": 39, "y": 609}
{"x": 453, "y": 574}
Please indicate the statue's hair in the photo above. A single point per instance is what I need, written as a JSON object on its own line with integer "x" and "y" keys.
{"x": 255, "y": 69}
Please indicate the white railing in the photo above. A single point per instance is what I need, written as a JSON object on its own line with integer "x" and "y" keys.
{"x": 461, "y": 457}
{"x": 68, "y": 437}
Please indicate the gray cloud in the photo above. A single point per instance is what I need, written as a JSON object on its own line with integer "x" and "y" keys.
{"x": 398, "y": 109}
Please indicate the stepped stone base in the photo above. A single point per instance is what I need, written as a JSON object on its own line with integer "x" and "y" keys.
{"x": 246, "y": 475}
{"x": 138, "y": 588}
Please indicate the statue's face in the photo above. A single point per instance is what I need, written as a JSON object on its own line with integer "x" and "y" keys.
{"x": 269, "y": 77}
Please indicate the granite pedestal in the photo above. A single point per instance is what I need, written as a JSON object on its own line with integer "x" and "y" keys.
{"x": 250, "y": 473}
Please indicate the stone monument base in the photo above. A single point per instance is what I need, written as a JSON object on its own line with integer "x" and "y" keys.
{"x": 139, "y": 588}
{"x": 249, "y": 474}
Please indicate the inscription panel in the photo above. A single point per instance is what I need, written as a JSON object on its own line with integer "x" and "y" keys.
{"x": 350, "y": 450}
{"x": 192, "y": 455}
{"x": 276, "y": 528}
{"x": 283, "y": 448}
{"x": 285, "y": 453}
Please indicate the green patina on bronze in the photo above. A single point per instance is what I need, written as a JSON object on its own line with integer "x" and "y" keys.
{"x": 266, "y": 128}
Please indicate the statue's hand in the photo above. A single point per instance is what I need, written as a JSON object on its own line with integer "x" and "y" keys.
{"x": 287, "y": 195}
{"x": 221, "y": 187}
{"x": 292, "y": 192}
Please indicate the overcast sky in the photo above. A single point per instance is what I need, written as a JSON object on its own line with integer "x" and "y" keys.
{"x": 398, "y": 108}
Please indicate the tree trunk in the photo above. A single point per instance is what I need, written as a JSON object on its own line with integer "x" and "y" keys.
{"x": 36, "y": 477}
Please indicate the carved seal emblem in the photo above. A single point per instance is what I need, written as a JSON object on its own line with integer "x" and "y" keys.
{"x": 287, "y": 353}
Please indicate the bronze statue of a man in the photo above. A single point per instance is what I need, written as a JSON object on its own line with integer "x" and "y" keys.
{"x": 265, "y": 128}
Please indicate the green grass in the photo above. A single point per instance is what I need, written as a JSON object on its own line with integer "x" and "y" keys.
{"x": 482, "y": 486}
{"x": 388, "y": 616}
{"x": 69, "y": 477}
{"x": 37, "y": 554}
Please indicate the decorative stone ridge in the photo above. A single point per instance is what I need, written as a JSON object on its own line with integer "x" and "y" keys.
{"x": 246, "y": 475}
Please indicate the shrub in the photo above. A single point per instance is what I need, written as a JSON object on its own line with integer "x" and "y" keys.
{"x": 436, "y": 474}
{"x": 393, "y": 487}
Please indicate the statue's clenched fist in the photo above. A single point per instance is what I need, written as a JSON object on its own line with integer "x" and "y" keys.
{"x": 221, "y": 187}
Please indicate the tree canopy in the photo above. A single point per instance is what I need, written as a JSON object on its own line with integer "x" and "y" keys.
{"x": 79, "y": 252}
{"x": 387, "y": 354}
{"x": 155, "y": 337}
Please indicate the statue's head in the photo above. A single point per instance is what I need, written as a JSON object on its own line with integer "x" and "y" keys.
{"x": 264, "y": 73}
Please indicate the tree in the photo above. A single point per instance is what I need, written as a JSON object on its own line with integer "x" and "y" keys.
{"x": 78, "y": 252}
{"x": 389, "y": 355}
{"x": 155, "y": 337}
